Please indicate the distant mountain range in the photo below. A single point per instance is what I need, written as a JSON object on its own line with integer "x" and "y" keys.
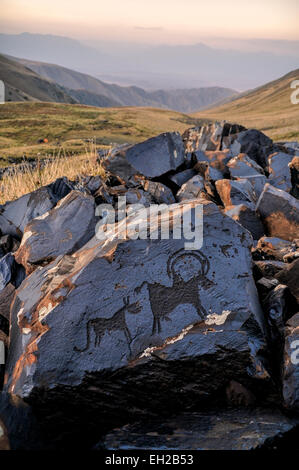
{"x": 33, "y": 80}
{"x": 161, "y": 66}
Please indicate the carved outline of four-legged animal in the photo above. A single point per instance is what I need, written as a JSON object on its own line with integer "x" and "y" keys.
{"x": 116, "y": 322}
{"x": 164, "y": 299}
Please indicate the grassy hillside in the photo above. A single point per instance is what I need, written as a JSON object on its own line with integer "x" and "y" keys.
{"x": 267, "y": 108}
{"x": 22, "y": 84}
{"x": 68, "y": 127}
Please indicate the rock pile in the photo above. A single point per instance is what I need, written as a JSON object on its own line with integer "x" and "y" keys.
{"x": 115, "y": 331}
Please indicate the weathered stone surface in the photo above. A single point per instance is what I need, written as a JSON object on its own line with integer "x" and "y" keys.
{"x": 194, "y": 188}
{"x": 152, "y": 158}
{"x": 15, "y": 215}
{"x": 255, "y": 144}
{"x": 62, "y": 230}
{"x": 160, "y": 193}
{"x": 182, "y": 177}
{"x": 208, "y": 172}
{"x": 258, "y": 182}
{"x": 280, "y": 213}
{"x": 235, "y": 429}
{"x": 233, "y": 193}
{"x": 6, "y": 270}
{"x": 279, "y": 171}
{"x": 138, "y": 196}
{"x": 291, "y": 363}
{"x": 242, "y": 166}
{"x": 247, "y": 217}
{"x": 6, "y": 297}
{"x": 210, "y": 137}
{"x": 119, "y": 319}
{"x": 289, "y": 276}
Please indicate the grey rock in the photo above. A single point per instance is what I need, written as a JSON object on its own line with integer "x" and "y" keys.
{"x": 217, "y": 159}
{"x": 15, "y": 215}
{"x": 121, "y": 316}
{"x": 235, "y": 192}
{"x": 182, "y": 177}
{"x": 279, "y": 212}
{"x": 289, "y": 276}
{"x": 258, "y": 182}
{"x": 279, "y": 171}
{"x": 294, "y": 169}
{"x": 152, "y": 158}
{"x": 235, "y": 429}
{"x": 194, "y": 188}
{"x": 160, "y": 193}
{"x": 242, "y": 166}
{"x": 268, "y": 268}
{"x": 138, "y": 196}
{"x": 273, "y": 248}
{"x": 62, "y": 230}
{"x": 248, "y": 218}
{"x": 6, "y": 270}
{"x": 256, "y": 145}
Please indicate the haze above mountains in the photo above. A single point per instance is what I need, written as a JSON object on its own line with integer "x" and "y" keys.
{"x": 238, "y": 65}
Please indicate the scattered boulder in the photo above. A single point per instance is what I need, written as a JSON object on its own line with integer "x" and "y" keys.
{"x": 160, "y": 193}
{"x": 242, "y": 166}
{"x": 248, "y": 218}
{"x": 255, "y": 144}
{"x": 194, "y": 188}
{"x": 279, "y": 171}
{"x": 15, "y": 215}
{"x": 233, "y": 193}
{"x": 279, "y": 212}
{"x": 62, "y": 230}
{"x": 152, "y": 158}
{"x": 234, "y": 429}
{"x": 289, "y": 276}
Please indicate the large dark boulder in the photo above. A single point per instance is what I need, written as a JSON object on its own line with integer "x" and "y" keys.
{"x": 125, "y": 328}
{"x": 152, "y": 158}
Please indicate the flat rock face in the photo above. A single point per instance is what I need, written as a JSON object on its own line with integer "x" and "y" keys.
{"x": 279, "y": 171}
{"x": 279, "y": 212}
{"x": 15, "y": 215}
{"x": 152, "y": 158}
{"x": 236, "y": 192}
{"x": 222, "y": 430}
{"x": 248, "y": 218}
{"x": 125, "y": 316}
{"x": 242, "y": 166}
{"x": 194, "y": 188}
{"x": 62, "y": 230}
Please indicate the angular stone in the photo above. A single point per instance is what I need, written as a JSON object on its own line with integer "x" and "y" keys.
{"x": 289, "y": 276}
{"x": 160, "y": 193}
{"x": 242, "y": 166}
{"x": 138, "y": 196}
{"x": 248, "y": 218}
{"x": 208, "y": 172}
{"x": 152, "y": 158}
{"x": 194, "y": 188}
{"x": 15, "y": 215}
{"x": 279, "y": 212}
{"x": 291, "y": 363}
{"x": 19, "y": 425}
{"x": 255, "y": 144}
{"x": 100, "y": 328}
{"x": 237, "y": 192}
{"x": 6, "y": 270}
{"x": 234, "y": 429}
{"x": 279, "y": 171}
{"x": 268, "y": 268}
{"x": 62, "y": 230}
{"x": 182, "y": 177}
{"x": 258, "y": 182}
{"x": 216, "y": 159}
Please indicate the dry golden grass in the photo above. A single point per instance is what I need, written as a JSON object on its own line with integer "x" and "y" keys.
{"x": 19, "y": 182}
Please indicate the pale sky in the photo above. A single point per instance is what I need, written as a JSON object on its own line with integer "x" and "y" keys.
{"x": 153, "y": 21}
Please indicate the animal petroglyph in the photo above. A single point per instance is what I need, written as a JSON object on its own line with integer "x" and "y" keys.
{"x": 116, "y": 322}
{"x": 164, "y": 299}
